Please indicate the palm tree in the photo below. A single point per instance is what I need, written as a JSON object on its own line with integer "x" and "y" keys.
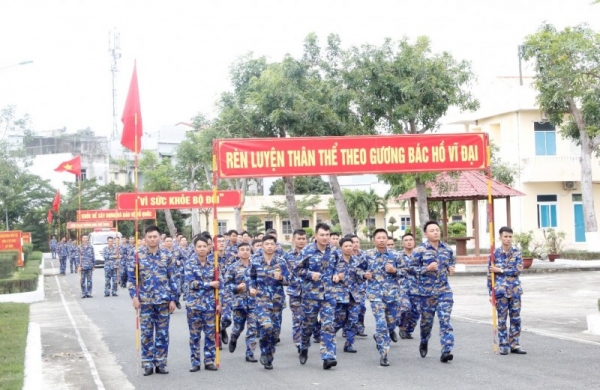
{"x": 374, "y": 203}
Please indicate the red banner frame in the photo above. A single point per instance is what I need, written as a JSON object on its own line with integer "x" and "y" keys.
{"x": 178, "y": 200}
{"x": 113, "y": 215}
{"x": 89, "y": 225}
{"x": 310, "y": 156}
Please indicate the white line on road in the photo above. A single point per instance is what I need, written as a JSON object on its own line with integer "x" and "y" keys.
{"x": 86, "y": 353}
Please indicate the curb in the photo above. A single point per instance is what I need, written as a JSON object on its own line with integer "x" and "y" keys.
{"x": 534, "y": 271}
{"x": 33, "y": 358}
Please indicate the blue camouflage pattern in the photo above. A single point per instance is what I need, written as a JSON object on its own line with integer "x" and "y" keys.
{"x": 87, "y": 264}
{"x": 110, "y": 256}
{"x": 242, "y": 304}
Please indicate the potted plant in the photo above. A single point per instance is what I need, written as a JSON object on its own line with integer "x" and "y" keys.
{"x": 554, "y": 242}
{"x": 523, "y": 242}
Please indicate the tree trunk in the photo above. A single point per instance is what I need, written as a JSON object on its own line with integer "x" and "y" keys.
{"x": 170, "y": 223}
{"x": 592, "y": 238}
{"x": 290, "y": 199}
{"x": 340, "y": 205}
{"x": 243, "y": 183}
{"x": 422, "y": 202}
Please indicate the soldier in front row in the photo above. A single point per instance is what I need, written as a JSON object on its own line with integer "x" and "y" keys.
{"x": 86, "y": 266}
{"x": 110, "y": 254}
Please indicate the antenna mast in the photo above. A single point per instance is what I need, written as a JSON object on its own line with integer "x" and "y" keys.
{"x": 114, "y": 49}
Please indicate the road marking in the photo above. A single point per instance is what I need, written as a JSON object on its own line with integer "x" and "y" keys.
{"x": 534, "y": 331}
{"x": 86, "y": 353}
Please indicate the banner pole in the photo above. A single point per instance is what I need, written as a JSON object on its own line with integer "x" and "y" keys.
{"x": 137, "y": 259}
{"x": 492, "y": 245}
{"x": 216, "y": 263}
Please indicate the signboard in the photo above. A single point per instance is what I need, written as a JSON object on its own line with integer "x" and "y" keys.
{"x": 264, "y": 157}
{"x": 89, "y": 225}
{"x": 113, "y": 215}
{"x": 178, "y": 200}
{"x": 26, "y": 237}
{"x": 12, "y": 241}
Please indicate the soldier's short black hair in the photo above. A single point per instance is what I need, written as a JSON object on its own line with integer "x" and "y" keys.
{"x": 430, "y": 223}
{"x": 322, "y": 226}
{"x": 351, "y": 235}
{"x": 269, "y": 237}
{"x": 244, "y": 243}
{"x": 232, "y": 231}
{"x": 257, "y": 241}
{"x": 335, "y": 234}
{"x": 344, "y": 240}
{"x": 200, "y": 238}
{"x": 152, "y": 228}
{"x": 380, "y": 230}
{"x": 408, "y": 235}
{"x": 299, "y": 232}
{"x": 109, "y": 238}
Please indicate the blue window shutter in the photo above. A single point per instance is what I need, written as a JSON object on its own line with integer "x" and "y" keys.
{"x": 551, "y": 143}
{"x": 553, "y": 222}
{"x": 540, "y": 143}
{"x": 544, "y": 216}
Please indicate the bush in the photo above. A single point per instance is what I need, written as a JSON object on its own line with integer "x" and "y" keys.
{"x": 580, "y": 255}
{"x": 27, "y": 249}
{"x": 457, "y": 229}
{"x": 7, "y": 263}
{"x": 37, "y": 255}
{"x": 25, "y": 280}
{"x": 419, "y": 238}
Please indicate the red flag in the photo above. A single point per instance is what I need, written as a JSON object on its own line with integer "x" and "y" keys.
{"x": 49, "y": 216}
{"x": 72, "y": 166}
{"x": 56, "y": 203}
{"x": 132, "y": 117}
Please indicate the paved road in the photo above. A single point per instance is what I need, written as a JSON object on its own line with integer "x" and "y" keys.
{"x": 561, "y": 355}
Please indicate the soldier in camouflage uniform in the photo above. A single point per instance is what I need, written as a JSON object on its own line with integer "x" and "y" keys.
{"x": 242, "y": 304}
{"x": 433, "y": 262}
{"x": 382, "y": 269}
{"x": 294, "y": 291}
{"x": 155, "y": 299}
{"x": 86, "y": 266}
{"x": 63, "y": 254}
{"x": 317, "y": 269}
{"x": 225, "y": 259}
{"x": 408, "y": 291}
{"x": 231, "y": 246}
{"x": 110, "y": 254}
{"x": 127, "y": 259}
{"x": 267, "y": 275}
{"x": 507, "y": 266}
{"x": 360, "y": 256}
{"x": 200, "y": 304}
{"x": 348, "y": 294}
{"x": 53, "y": 246}
{"x": 73, "y": 255}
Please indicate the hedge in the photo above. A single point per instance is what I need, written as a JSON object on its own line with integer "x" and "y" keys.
{"x": 37, "y": 255}
{"x": 23, "y": 281}
{"x": 580, "y": 255}
{"x": 27, "y": 249}
{"x": 7, "y": 263}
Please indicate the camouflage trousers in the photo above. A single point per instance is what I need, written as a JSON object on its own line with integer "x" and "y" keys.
{"x": 297, "y": 314}
{"x": 73, "y": 264}
{"x": 110, "y": 281}
{"x": 346, "y": 317}
{"x": 247, "y": 317}
{"x": 442, "y": 305}
{"x": 63, "y": 264}
{"x": 325, "y": 310}
{"x": 385, "y": 314}
{"x": 86, "y": 282}
{"x": 361, "y": 315}
{"x": 201, "y": 322}
{"x": 509, "y": 307}
{"x": 410, "y": 316}
{"x": 266, "y": 318}
{"x": 226, "y": 312}
{"x": 154, "y": 325}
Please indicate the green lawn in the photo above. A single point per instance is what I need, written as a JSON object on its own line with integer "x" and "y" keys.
{"x": 14, "y": 319}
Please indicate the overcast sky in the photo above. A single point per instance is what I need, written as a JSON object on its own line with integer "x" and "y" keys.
{"x": 184, "y": 48}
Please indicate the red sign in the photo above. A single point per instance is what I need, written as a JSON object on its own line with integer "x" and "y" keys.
{"x": 12, "y": 241}
{"x": 89, "y": 225}
{"x": 113, "y": 215}
{"x": 178, "y": 200}
{"x": 262, "y": 157}
{"x": 26, "y": 238}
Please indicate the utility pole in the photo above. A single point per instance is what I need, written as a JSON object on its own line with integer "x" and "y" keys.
{"x": 521, "y": 56}
{"x": 114, "y": 49}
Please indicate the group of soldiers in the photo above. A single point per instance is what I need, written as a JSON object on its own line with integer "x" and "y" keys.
{"x": 327, "y": 279}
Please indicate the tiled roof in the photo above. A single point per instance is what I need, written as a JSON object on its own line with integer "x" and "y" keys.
{"x": 468, "y": 185}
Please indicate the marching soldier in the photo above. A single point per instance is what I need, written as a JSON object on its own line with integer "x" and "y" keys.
{"x": 110, "y": 254}
{"x": 433, "y": 262}
{"x": 294, "y": 290}
{"x": 53, "y": 246}
{"x": 408, "y": 290}
{"x": 200, "y": 304}
{"x": 224, "y": 259}
{"x": 63, "y": 253}
{"x": 360, "y": 256}
{"x": 508, "y": 265}
{"x": 242, "y": 304}
{"x": 127, "y": 259}
{"x": 86, "y": 266}
{"x": 73, "y": 255}
{"x": 156, "y": 300}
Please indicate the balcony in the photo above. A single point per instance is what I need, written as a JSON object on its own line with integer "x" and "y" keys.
{"x": 553, "y": 169}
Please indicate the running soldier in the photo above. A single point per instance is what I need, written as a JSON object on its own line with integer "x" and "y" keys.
{"x": 86, "y": 267}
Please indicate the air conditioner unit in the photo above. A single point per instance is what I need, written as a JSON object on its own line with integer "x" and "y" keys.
{"x": 569, "y": 185}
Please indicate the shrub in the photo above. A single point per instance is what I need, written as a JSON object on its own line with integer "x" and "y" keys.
{"x": 457, "y": 229}
{"x": 25, "y": 280}
{"x": 419, "y": 236}
{"x": 27, "y": 249}
{"x": 36, "y": 255}
{"x": 7, "y": 263}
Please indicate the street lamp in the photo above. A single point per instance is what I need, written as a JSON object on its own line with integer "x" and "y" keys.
{"x": 17, "y": 64}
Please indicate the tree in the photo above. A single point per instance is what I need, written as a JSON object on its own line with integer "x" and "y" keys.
{"x": 567, "y": 79}
{"x": 303, "y": 185}
{"x": 392, "y": 226}
{"x": 254, "y": 225}
{"x": 404, "y": 88}
{"x": 360, "y": 206}
{"x": 305, "y": 207}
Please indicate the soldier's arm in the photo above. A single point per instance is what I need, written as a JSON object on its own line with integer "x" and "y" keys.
{"x": 131, "y": 279}
{"x": 171, "y": 277}
{"x": 515, "y": 265}
{"x": 285, "y": 272}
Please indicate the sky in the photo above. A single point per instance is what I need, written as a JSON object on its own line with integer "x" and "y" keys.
{"x": 184, "y": 49}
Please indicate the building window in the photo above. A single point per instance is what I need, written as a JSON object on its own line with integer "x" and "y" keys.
{"x": 222, "y": 227}
{"x": 116, "y": 177}
{"x": 404, "y": 223}
{"x": 305, "y": 223}
{"x": 370, "y": 221}
{"x": 546, "y": 208}
{"x": 545, "y": 139}
{"x": 286, "y": 227}
{"x": 576, "y": 197}
{"x": 83, "y": 176}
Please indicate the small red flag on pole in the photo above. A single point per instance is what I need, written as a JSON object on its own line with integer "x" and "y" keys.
{"x": 49, "y": 218}
{"x": 132, "y": 117}
{"x": 72, "y": 166}
{"x": 56, "y": 202}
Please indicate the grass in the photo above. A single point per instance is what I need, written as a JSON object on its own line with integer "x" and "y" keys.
{"x": 14, "y": 319}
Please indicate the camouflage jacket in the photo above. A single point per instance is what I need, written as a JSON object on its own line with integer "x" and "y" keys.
{"x": 314, "y": 260}
{"x": 291, "y": 258}
{"x": 507, "y": 283}
{"x": 383, "y": 286}
{"x": 88, "y": 258}
{"x": 236, "y": 274}
{"x": 110, "y": 257}
{"x": 350, "y": 285}
{"x": 199, "y": 295}
{"x": 260, "y": 276}
{"x": 408, "y": 284}
{"x": 432, "y": 282}
{"x": 156, "y": 277}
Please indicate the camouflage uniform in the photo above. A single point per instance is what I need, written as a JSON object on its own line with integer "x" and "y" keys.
{"x": 157, "y": 288}
{"x": 88, "y": 262}
{"x": 201, "y": 307}
{"x": 123, "y": 260}
{"x": 73, "y": 256}
{"x": 409, "y": 313}
{"x": 226, "y": 314}
{"x": 110, "y": 270}
{"x": 508, "y": 293}
{"x": 230, "y": 251}
{"x": 433, "y": 289}
{"x": 382, "y": 292}
{"x": 318, "y": 297}
{"x": 63, "y": 253}
{"x": 360, "y": 256}
{"x": 270, "y": 299}
{"x": 243, "y": 306}
{"x": 294, "y": 291}
{"x": 348, "y": 296}
{"x": 53, "y": 247}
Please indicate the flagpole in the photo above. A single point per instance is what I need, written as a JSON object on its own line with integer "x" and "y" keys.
{"x": 137, "y": 259}
{"x": 216, "y": 265}
{"x": 492, "y": 260}
{"x": 79, "y": 232}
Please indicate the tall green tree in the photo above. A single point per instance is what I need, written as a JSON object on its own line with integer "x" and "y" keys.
{"x": 361, "y": 206}
{"x": 405, "y": 88}
{"x": 303, "y": 185}
{"x": 305, "y": 207}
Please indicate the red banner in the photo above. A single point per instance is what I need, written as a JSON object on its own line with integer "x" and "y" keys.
{"x": 113, "y": 215}
{"x": 263, "y": 157}
{"x": 26, "y": 238}
{"x": 178, "y": 200}
{"x": 12, "y": 241}
{"x": 89, "y": 225}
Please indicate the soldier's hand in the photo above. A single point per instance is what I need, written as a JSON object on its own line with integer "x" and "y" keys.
{"x": 78, "y": 269}
{"x": 253, "y": 292}
{"x": 390, "y": 269}
{"x": 277, "y": 275}
{"x": 214, "y": 284}
{"x": 335, "y": 278}
{"x": 136, "y": 303}
{"x": 241, "y": 287}
{"x": 172, "y": 306}
{"x": 316, "y": 276}
{"x": 340, "y": 276}
{"x": 495, "y": 269}
{"x": 219, "y": 307}
{"x": 451, "y": 270}
{"x": 432, "y": 266}
{"x": 368, "y": 275}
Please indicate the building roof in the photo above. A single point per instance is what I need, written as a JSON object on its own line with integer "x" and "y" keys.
{"x": 468, "y": 185}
